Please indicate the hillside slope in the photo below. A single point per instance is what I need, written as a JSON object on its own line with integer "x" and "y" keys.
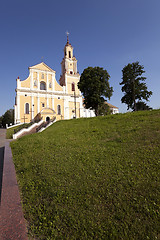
{"x": 94, "y": 178}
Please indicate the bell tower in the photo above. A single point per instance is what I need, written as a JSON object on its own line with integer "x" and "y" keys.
{"x": 69, "y": 69}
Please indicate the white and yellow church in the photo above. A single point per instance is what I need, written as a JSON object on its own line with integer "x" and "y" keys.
{"x": 40, "y": 95}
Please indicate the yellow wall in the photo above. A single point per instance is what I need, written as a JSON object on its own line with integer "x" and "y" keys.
{"x": 26, "y": 83}
{"x": 58, "y": 87}
{"x": 24, "y": 100}
{"x": 72, "y": 108}
{"x": 70, "y": 80}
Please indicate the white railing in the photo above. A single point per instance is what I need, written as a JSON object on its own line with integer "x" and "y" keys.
{"x": 26, "y": 130}
{"x": 15, "y": 125}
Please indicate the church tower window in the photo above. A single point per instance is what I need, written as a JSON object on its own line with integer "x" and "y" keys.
{"x": 27, "y": 108}
{"x": 73, "y": 86}
{"x": 69, "y": 54}
{"x": 58, "y": 109}
{"x": 42, "y": 85}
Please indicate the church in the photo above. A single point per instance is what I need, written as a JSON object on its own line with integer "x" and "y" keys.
{"x": 40, "y": 96}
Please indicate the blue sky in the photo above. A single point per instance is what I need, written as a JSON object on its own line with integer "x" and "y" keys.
{"x": 104, "y": 33}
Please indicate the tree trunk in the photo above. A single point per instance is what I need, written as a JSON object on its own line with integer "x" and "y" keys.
{"x": 134, "y": 100}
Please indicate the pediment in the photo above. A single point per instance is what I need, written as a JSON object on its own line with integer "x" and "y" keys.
{"x": 42, "y": 66}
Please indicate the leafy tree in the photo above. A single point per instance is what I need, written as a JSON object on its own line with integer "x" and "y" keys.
{"x": 104, "y": 109}
{"x": 8, "y": 117}
{"x": 94, "y": 84}
{"x": 133, "y": 85}
{"x": 142, "y": 106}
{"x": 1, "y": 121}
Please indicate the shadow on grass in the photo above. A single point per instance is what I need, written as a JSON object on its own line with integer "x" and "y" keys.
{"x": 1, "y": 169}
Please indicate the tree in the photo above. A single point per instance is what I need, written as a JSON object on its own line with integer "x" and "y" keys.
{"x": 142, "y": 106}
{"x": 1, "y": 117}
{"x": 94, "y": 84}
{"x": 104, "y": 109}
{"x": 8, "y": 117}
{"x": 133, "y": 86}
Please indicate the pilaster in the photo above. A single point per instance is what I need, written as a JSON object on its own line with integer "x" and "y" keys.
{"x": 52, "y": 102}
{"x": 38, "y": 104}
{"x": 18, "y": 107}
{"x": 38, "y": 81}
{"x": 32, "y": 106}
{"x": 53, "y": 82}
{"x": 31, "y": 72}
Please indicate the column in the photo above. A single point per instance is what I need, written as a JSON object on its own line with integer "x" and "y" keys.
{"x": 31, "y": 83}
{"x": 66, "y": 109}
{"x": 81, "y": 107}
{"x": 53, "y": 82}
{"x": 38, "y": 106}
{"x": 38, "y": 81}
{"x": 47, "y": 82}
{"x": 18, "y": 108}
{"x": 32, "y": 106}
{"x": 47, "y": 100}
{"x": 52, "y": 103}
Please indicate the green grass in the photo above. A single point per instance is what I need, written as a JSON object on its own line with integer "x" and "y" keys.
{"x": 10, "y": 131}
{"x": 94, "y": 178}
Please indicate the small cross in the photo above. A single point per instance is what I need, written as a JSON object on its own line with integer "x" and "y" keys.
{"x": 67, "y": 36}
{"x": 42, "y": 58}
{"x": 24, "y": 118}
{"x": 67, "y": 33}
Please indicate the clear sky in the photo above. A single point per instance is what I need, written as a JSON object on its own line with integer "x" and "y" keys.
{"x": 104, "y": 33}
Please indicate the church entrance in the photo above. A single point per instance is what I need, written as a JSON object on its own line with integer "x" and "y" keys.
{"x": 48, "y": 114}
{"x": 47, "y": 119}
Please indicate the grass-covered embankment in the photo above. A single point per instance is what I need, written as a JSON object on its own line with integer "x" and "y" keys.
{"x": 13, "y": 130}
{"x": 92, "y": 178}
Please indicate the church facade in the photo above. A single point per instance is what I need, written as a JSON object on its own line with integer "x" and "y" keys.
{"x": 40, "y": 95}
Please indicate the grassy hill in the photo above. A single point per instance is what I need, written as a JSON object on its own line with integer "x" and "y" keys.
{"x": 94, "y": 178}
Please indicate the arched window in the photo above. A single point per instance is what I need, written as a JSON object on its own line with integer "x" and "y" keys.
{"x": 27, "y": 108}
{"x": 42, "y": 86}
{"x": 59, "y": 109}
{"x": 73, "y": 86}
{"x": 42, "y": 76}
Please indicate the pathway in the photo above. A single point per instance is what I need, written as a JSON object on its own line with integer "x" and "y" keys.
{"x": 12, "y": 223}
{"x": 2, "y": 143}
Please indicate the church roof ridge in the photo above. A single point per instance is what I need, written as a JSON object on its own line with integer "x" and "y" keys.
{"x": 38, "y": 66}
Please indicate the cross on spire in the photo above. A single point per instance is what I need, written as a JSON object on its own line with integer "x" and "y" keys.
{"x": 67, "y": 33}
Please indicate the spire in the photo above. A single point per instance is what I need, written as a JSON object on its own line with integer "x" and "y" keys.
{"x": 67, "y": 38}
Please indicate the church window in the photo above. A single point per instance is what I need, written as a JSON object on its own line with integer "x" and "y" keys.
{"x": 69, "y": 54}
{"x": 43, "y": 104}
{"x": 27, "y": 108}
{"x": 42, "y": 86}
{"x": 42, "y": 76}
{"x": 58, "y": 109}
{"x": 71, "y": 72}
{"x": 73, "y": 87}
{"x": 50, "y": 85}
